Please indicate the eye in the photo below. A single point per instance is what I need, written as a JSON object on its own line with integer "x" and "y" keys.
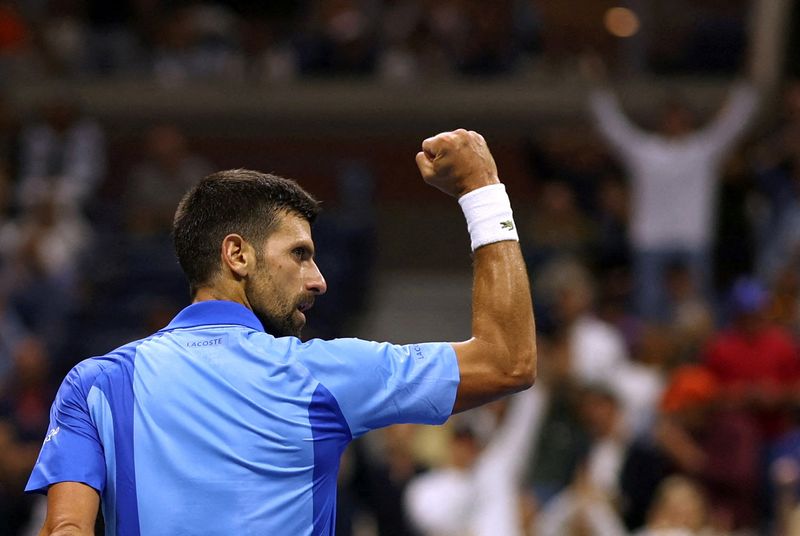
{"x": 301, "y": 253}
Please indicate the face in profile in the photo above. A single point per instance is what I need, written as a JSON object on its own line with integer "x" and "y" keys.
{"x": 286, "y": 279}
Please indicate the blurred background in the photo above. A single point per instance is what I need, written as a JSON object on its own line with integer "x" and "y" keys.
{"x": 651, "y": 149}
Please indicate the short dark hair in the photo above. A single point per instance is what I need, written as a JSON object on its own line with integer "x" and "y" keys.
{"x": 238, "y": 201}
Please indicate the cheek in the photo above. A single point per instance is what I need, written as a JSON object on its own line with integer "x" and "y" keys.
{"x": 266, "y": 292}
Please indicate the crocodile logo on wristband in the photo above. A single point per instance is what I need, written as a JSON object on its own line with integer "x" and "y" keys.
{"x": 508, "y": 224}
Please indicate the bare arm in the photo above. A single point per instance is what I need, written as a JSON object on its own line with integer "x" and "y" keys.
{"x": 606, "y": 111}
{"x": 500, "y": 358}
{"x": 71, "y": 510}
{"x": 613, "y": 124}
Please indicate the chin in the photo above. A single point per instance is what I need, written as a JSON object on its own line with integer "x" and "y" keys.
{"x": 299, "y": 322}
{"x": 281, "y": 327}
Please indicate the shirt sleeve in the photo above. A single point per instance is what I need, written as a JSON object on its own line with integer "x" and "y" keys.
{"x": 72, "y": 450}
{"x": 380, "y": 384}
{"x": 732, "y": 121}
{"x": 612, "y": 123}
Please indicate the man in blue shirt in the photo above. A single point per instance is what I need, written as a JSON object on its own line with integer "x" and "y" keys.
{"x": 224, "y": 422}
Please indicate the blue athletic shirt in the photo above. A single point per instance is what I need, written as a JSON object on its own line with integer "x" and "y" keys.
{"x": 212, "y": 426}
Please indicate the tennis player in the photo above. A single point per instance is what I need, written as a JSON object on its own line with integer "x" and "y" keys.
{"x": 224, "y": 422}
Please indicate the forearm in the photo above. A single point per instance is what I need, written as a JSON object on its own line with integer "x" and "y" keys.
{"x": 502, "y": 312}
{"x": 500, "y": 358}
{"x": 71, "y": 510}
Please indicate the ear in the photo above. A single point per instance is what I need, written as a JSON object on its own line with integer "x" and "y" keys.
{"x": 237, "y": 255}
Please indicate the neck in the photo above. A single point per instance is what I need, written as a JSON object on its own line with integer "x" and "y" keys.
{"x": 223, "y": 293}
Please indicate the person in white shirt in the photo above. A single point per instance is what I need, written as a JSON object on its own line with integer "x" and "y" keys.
{"x": 673, "y": 174}
{"x": 480, "y": 495}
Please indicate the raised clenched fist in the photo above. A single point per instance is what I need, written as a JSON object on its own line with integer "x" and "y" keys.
{"x": 457, "y": 162}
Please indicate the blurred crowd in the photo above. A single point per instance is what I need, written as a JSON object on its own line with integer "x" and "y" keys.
{"x": 665, "y": 264}
{"x": 176, "y": 42}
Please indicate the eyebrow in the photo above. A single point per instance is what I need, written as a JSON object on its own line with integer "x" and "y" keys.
{"x": 305, "y": 244}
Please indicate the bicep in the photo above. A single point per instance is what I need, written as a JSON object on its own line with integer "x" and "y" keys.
{"x": 481, "y": 381}
{"x": 71, "y": 509}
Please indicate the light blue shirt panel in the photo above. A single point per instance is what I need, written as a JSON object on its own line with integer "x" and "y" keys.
{"x": 100, "y": 412}
{"x": 380, "y": 384}
{"x": 223, "y": 434}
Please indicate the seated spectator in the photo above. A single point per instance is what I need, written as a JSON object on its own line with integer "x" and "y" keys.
{"x": 784, "y": 308}
{"x": 340, "y": 39}
{"x": 557, "y": 227}
{"x": 40, "y": 252}
{"x": 582, "y": 509}
{"x": 9, "y": 150}
{"x": 376, "y": 472}
{"x": 756, "y": 362}
{"x": 64, "y": 152}
{"x": 24, "y": 415}
{"x": 489, "y": 46}
{"x": 562, "y": 441}
{"x": 777, "y": 167}
{"x": 609, "y": 435}
{"x": 679, "y": 508}
{"x": 12, "y": 331}
{"x": 18, "y": 56}
{"x": 197, "y": 41}
{"x": 701, "y": 437}
{"x": 596, "y": 349}
{"x": 62, "y": 35}
{"x": 690, "y": 315}
{"x": 640, "y": 382}
{"x": 156, "y": 184}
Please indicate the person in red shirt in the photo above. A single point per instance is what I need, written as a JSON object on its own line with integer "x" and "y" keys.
{"x": 700, "y": 436}
{"x": 756, "y": 362}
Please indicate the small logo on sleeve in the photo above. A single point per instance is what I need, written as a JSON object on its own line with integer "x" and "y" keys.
{"x": 52, "y": 433}
{"x": 508, "y": 225}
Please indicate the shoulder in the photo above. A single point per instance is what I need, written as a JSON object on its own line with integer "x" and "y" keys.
{"x": 333, "y": 352}
{"x": 335, "y": 347}
{"x": 88, "y": 372}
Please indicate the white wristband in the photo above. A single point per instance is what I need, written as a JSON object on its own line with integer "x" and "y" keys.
{"x": 488, "y": 214}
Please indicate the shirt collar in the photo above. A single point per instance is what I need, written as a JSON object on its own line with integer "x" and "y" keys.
{"x": 214, "y": 312}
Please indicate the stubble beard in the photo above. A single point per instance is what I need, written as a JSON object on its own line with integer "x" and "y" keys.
{"x": 279, "y": 326}
{"x": 274, "y": 312}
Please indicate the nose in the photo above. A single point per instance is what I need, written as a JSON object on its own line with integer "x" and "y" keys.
{"x": 316, "y": 282}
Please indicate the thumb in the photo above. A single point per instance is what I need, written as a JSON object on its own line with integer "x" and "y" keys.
{"x": 425, "y": 165}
